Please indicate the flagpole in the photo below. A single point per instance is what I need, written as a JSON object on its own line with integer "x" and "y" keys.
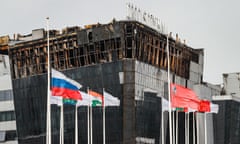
{"x": 173, "y": 121}
{"x": 62, "y": 125}
{"x": 205, "y": 127}
{"x": 91, "y": 125}
{"x": 88, "y": 119}
{"x": 185, "y": 128}
{"x": 88, "y": 125}
{"x": 104, "y": 128}
{"x": 169, "y": 95}
{"x": 104, "y": 122}
{"x": 197, "y": 124}
{"x": 176, "y": 127}
{"x": 91, "y": 131}
{"x": 194, "y": 128}
{"x": 188, "y": 127}
{"x": 162, "y": 127}
{"x": 60, "y": 133}
{"x": 76, "y": 125}
{"x": 48, "y": 127}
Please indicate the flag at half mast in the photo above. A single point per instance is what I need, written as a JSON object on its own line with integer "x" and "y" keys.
{"x": 183, "y": 97}
{"x": 207, "y": 106}
{"x": 110, "y": 100}
{"x": 64, "y": 89}
{"x": 93, "y": 98}
{"x": 86, "y": 99}
{"x": 96, "y": 98}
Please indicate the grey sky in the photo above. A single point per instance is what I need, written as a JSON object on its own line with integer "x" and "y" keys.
{"x": 209, "y": 24}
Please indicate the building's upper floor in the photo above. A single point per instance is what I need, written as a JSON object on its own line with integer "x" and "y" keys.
{"x": 76, "y": 47}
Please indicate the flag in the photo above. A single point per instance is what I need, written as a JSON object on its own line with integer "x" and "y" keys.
{"x": 56, "y": 100}
{"x": 86, "y": 99}
{"x": 188, "y": 110}
{"x": 180, "y": 109}
{"x": 96, "y": 98}
{"x": 165, "y": 104}
{"x": 69, "y": 101}
{"x": 214, "y": 108}
{"x": 110, "y": 100}
{"x": 183, "y": 97}
{"x": 64, "y": 86}
{"x": 204, "y": 106}
{"x": 207, "y": 106}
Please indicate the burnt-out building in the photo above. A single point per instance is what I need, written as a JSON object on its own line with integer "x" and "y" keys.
{"x": 123, "y": 57}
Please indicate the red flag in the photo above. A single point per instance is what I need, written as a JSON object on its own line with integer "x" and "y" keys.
{"x": 204, "y": 106}
{"x": 183, "y": 97}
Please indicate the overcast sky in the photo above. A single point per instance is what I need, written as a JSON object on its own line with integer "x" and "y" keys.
{"x": 210, "y": 24}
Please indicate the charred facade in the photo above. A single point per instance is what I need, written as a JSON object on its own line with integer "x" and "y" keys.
{"x": 77, "y": 47}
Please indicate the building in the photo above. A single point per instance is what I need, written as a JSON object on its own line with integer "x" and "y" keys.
{"x": 8, "y": 133}
{"x": 227, "y": 121}
{"x": 124, "y": 58}
{"x": 231, "y": 82}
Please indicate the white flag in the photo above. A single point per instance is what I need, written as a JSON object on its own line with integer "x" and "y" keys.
{"x": 56, "y": 100}
{"x": 165, "y": 105}
{"x": 110, "y": 100}
{"x": 214, "y": 108}
{"x": 86, "y": 100}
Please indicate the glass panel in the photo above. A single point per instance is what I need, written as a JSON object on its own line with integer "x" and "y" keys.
{"x": 7, "y": 116}
{"x": 2, "y": 136}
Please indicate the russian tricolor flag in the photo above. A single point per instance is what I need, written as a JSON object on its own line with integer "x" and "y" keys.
{"x": 64, "y": 87}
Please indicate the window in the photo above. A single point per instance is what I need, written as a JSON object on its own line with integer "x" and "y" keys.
{"x": 6, "y": 95}
{"x": 11, "y": 135}
{"x": 7, "y": 116}
{"x": 2, "y": 136}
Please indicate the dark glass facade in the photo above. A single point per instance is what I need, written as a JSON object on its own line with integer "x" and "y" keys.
{"x": 227, "y": 122}
{"x": 133, "y": 119}
{"x": 30, "y": 103}
{"x": 148, "y": 117}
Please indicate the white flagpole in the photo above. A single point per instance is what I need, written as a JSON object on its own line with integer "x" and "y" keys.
{"x": 104, "y": 128}
{"x": 173, "y": 121}
{"x": 169, "y": 95}
{"x": 176, "y": 127}
{"x": 205, "y": 127}
{"x": 91, "y": 125}
{"x": 197, "y": 124}
{"x": 91, "y": 131}
{"x": 188, "y": 127}
{"x": 162, "y": 127}
{"x": 62, "y": 125}
{"x": 76, "y": 124}
{"x": 48, "y": 127}
{"x": 88, "y": 119}
{"x": 88, "y": 125}
{"x": 60, "y": 133}
{"x": 185, "y": 128}
{"x": 194, "y": 128}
